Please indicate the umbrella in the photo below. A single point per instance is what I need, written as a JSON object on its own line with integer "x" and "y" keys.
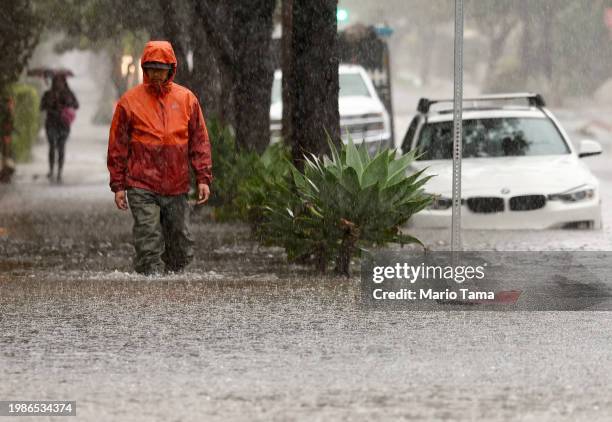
{"x": 47, "y": 72}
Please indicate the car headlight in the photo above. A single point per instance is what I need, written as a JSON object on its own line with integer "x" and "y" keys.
{"x": 577, "y": 194}
{"x": 440, "y": 203}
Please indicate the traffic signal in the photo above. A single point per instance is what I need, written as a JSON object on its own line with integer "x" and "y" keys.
{"x": 342, "y": 15}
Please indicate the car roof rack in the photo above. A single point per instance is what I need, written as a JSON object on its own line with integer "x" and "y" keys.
{"x": 534, "y": 100}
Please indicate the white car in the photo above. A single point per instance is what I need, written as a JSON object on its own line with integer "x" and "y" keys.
{"x": 362, "y": 114}
{"x": 519, "y": 169}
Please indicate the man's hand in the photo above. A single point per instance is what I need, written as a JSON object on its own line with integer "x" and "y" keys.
{"x": 120, "y": 200}
{"x": 203, "y": 193}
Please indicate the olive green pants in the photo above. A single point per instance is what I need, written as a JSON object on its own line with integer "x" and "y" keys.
{"x": 161, "y": 231}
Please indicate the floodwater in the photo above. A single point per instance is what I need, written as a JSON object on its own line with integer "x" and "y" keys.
{"x": 244, "y": 336}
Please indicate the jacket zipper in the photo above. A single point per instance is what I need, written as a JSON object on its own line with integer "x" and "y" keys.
{"x": 161, "y": 147}
{"x": 164, "y": 119}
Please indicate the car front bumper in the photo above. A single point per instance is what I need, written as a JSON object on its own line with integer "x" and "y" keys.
{"x": 554, "y": 215}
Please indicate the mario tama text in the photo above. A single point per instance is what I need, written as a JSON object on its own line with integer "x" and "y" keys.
{"x": 487, "y": 280}
{"x": 411, "y": 274}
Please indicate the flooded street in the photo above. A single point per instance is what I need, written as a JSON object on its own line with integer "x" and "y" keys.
{"x": 244, "y": 336}
{"x": 219, "y": 349}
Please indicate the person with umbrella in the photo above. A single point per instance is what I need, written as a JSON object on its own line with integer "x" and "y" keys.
{"x": 60, "y": 104}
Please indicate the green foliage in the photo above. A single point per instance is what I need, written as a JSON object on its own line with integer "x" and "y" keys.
{"x": 20, "y": 28}
{"x": 242, "y": 178}
{"x": 259, "y": 188}
{"x": 340, "y": 205}
{"x": 99, "y": 21}
{"x": 230, "y": 166}
{"x": 27, "y": 120}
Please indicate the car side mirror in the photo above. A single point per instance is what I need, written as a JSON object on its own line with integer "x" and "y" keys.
{"x": 588, "y": 148}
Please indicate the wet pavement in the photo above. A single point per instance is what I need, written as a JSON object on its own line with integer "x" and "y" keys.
{"x": 244, "y": 336}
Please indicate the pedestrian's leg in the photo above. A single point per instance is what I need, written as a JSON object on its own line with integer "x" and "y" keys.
{"x": 178, "y": 252}
{"x": 61, "y": 145}
{"x": 148, "y": 240}
{"x": 51, "y": 137}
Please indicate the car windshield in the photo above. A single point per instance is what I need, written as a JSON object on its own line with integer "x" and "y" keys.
{"x": 351, "y": 84}
{"x": 497, "y": 137}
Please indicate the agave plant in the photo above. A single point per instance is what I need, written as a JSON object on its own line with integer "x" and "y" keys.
{"x": 340, "y": 205}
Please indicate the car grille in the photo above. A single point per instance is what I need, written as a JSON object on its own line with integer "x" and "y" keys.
{"x": 527, "y": 202}
{"x": 485, "y": 204}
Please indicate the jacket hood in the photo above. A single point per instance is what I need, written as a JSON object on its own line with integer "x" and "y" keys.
{"x": 159, "y": 51}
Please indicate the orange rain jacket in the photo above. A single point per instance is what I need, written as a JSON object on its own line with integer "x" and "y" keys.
{"x": 157, "y": 133}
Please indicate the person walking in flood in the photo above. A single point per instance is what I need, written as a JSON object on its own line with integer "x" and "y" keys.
{"x": 158, "y": 132}
{"x": 60, "y": 104}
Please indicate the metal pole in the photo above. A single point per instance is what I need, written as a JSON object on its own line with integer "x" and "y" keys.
{"x": 456, "y": 244}
{"x": 389, "y": 91}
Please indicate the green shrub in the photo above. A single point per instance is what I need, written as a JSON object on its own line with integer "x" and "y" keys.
{"x": 258, "y": 188}
{"x": 27, "y": 120}
{"x": 243, "y": 179}
{"x": 338, "y": 206}
{"x": 230, "y": 167}
{"x": 223, "y": 150}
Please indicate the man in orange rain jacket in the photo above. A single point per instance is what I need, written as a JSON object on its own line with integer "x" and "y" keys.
{"x": 157, "y": 132}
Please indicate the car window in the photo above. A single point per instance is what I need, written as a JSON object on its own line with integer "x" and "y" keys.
{"x": 352, "y": 84}
{"x": 499, "y": 137}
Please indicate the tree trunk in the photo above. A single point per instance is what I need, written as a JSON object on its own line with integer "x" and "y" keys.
{"x": 216, "y": 19}
{"x": 312, "y": 72}
{"x": 321, "y": 260}
{"x": 343, "y": 261}
{"x": 497, "y": 46}
{"x": 173, "y": 33}
{"x": 239, "y": 35}
{"x": 428, "y": 38}
{"x": 252, "y": 38}
{"x": 347, "y": 247}
{"x": 205, "y": 75}
{"x": 226, "y": 107}
{"x": 115, "y": 54}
